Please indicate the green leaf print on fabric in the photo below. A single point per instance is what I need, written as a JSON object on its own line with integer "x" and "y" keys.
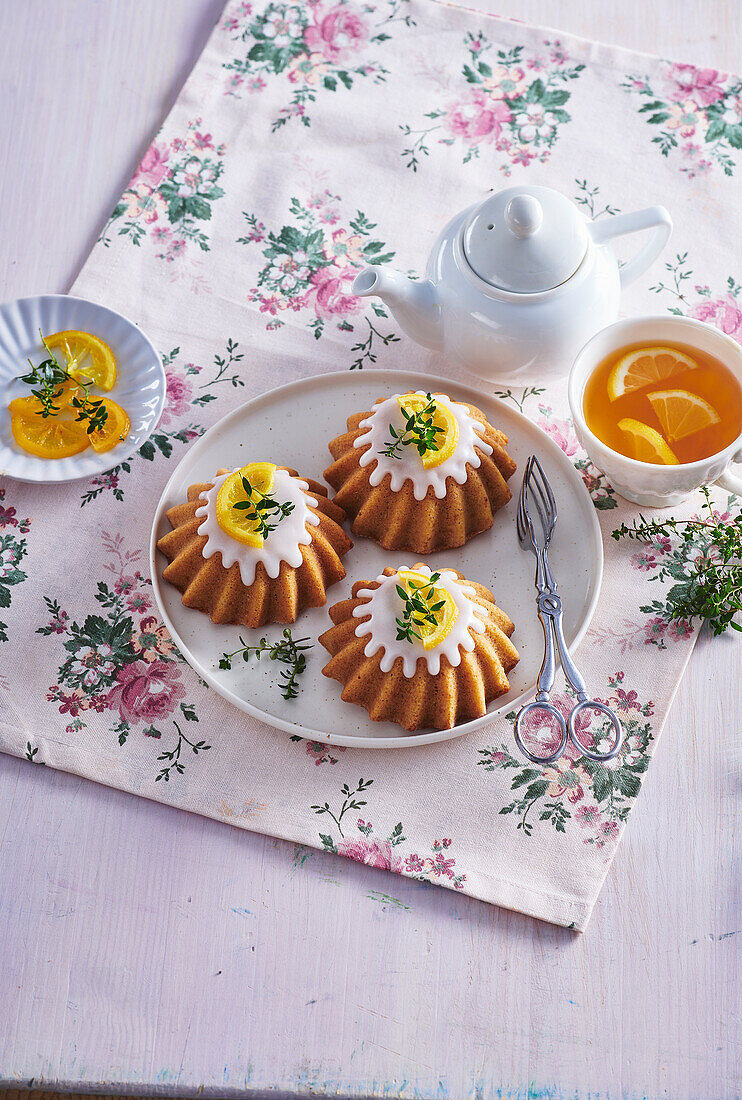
{"x": 121, "y": 662}
{"x": 722, "y": 308}
{"x": 12, "y": 552}
{"x": 309, "y": 268}
{"x": 576, "y": 795}
{"x": 510, "y": 101}
{"x": 696, "y": 114}
{"x": 361, "y": 841}
{"x": 311, "y": 48}
{"x": 171, "y": 195}
{"x": 182, "y": 395}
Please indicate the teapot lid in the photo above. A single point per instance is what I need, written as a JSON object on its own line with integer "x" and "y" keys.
{"x": 525, "y": 239}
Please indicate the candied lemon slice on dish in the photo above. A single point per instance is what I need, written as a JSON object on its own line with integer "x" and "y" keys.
{"x": 115, "y": 429}
{"x": 240, "y": 522}
{"x": 644, "y": 366}
{"x": 85, "y": 356}
{"x": 31, "y": 406}
{"x": 681, "y": 412}
{"x": 439, "y": 603}
{"x": 649, "y": 446}
{"x": 49, "y": 437}
{"x": 446, "y": 439}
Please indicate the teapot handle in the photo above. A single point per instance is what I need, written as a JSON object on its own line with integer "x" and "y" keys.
{"x": 654, "y": 217}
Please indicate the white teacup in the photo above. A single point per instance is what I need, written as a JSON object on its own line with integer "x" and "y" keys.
{"x": 643, "y": 482}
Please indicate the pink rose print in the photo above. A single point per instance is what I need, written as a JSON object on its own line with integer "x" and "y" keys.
{"x": 477, "y": 118}
{"x": 573, "y": 790}
{"x": 153, "y": 167}
{"x": 703, "y": 86}
{"x": 518, "y": 105}
{"x": 371, "y": 852}
{"x": 145, "y": 692}
{"x": 724, "y": 312}
{"x": 540, "y": 732}
{"x": 315, "y": 48}
{"x": 700, "y": 104}
{"x": 333, "y": 295}
{"x": 336, "y": 35}
{"x": 175, "y": 185}
{"x": 309, "y": 267}
{"x": 563, "y": 434}
{"x": 177, "y": 396}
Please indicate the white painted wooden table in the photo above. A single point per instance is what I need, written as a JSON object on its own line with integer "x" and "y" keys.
{"x": 149, "y": 949}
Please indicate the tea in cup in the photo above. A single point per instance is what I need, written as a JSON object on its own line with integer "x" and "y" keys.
{"x": 657, "y": 405}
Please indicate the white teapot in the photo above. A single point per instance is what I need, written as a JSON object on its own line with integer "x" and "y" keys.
{"x": 516, "y": 284}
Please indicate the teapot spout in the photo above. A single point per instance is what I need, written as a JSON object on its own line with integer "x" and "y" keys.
{"x": 413, "y": 304}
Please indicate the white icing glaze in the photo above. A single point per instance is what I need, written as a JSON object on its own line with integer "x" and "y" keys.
{"x": 409, "y": 467}
{"x": 385, "y": 606}
{"x": 282, "y": 544}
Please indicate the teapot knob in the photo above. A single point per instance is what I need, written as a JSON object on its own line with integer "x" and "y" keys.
{"x": 524, "y": 215}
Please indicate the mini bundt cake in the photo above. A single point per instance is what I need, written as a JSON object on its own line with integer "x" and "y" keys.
{"x": 255, "y": 546}
{"x": 424, "y": 650}
{"x": 420, "y": 472}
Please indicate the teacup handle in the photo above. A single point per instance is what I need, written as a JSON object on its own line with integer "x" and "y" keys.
{"x": 654, "y": 217}
{"x": 730, "y": 480}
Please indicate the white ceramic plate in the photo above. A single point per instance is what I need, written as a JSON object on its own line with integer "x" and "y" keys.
{"x": 291, "y": 426}
{"x": 140, "y": 386}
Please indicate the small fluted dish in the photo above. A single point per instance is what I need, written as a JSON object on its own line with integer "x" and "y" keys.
{"x": 139, "y": 388}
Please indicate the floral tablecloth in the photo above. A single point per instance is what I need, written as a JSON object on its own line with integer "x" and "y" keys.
{"x": 309, "y": 140}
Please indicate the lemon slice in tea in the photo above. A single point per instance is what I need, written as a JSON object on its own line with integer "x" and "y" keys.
{"x": 85, "y": 356}
{"x": 445, "y": 615}
{"x": 648, "y": 444}
{"x": 682, "y": 413}
{"x": 643, "y": 367}
{"x": 241, "y": 523}
{"x": 446, "y": 439}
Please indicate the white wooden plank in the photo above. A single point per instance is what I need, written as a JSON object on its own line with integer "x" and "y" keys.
{"x": 148, "y": 948}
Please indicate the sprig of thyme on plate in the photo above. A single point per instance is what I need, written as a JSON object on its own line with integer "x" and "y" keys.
{"x": 49, "y": 377}
{"x": 419, "y": 607}
{"x": 288, "y": 650}
{"x": 707, "y": 566}
{"x": 419, "y": 430}
{"x": 262, "y": 510}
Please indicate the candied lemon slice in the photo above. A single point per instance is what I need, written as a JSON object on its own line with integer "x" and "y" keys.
{"x": 50, "y": 437}
{"x": 31, "y": 406}
{"x": 446, "y": 439}
{"x": 646, "y": 365}
{"x": 681, "y": 412}
{"x": 439, "y": 602}
{"x": 116, "y": 428}
{"x": 85, "y": 356}
{"x": 649, "y": 446}
{"x": 238, "y": 523}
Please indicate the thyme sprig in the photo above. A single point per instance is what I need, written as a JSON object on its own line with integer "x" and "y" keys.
{"x": 263, "y": 510}
{"x": 420, "y": 607}
{"x": 49, "y": 377}
{"x": 707, "y": 568}
{"x": 419, "y": 430}
{"x": 288, "y": 650}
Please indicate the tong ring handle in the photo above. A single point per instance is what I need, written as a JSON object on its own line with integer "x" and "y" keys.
{"x": 591, "y": 754}
{"x": 549, "y": 708}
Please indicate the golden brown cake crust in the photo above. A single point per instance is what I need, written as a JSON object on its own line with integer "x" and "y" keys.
{"x": 397, "y": 521}
{"x": 207, "y": 586}
{"x": 423, "y": 701}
